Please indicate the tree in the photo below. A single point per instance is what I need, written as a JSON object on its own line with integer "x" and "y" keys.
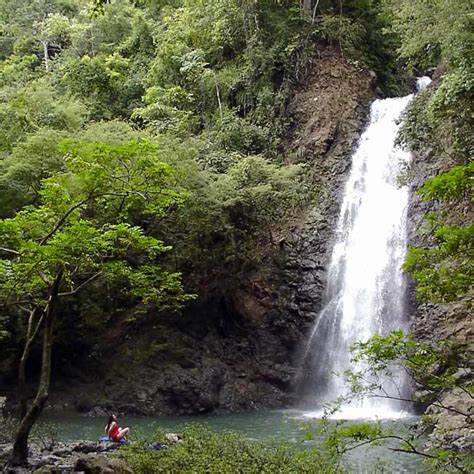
{"x": 39, "y": 27}
{"x": 89, "y": 225}
{"x": 35, "y": 106}
{"x": 432, "y": 31}
{"x": 21, "y": 172}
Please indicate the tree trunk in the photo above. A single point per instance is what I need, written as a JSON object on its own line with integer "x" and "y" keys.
{"x": 32, "y": 332}
{"x": 314, "y": 11}
{"x": 307, "y": 6}
{"x": 45, "y": 44}
{"x": 219, "y": 102}
{"x": 20, "y": 446}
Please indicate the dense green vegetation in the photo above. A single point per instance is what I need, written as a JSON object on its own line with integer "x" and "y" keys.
{"x": 141, "y": 152}
{"x": 202, "y": 450}
{"x": 88, "y": 226}
{"x": 441, "y": 120}
{"x": 141, "y": 157}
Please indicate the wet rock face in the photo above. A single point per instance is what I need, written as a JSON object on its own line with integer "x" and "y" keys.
{"x": 244, "y": 367}
{"x": 331, "y": 112}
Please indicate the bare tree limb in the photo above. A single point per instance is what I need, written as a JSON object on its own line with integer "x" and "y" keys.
{"x": 219, "y": 101}
{"x": 14, "y": 252}
{"x": 19, "y": 303}
{"x": 82, "y": 285}
{"x": 44, "y": 278}
{"x": 435, "y": 404}
{"x": 314, "y": 12}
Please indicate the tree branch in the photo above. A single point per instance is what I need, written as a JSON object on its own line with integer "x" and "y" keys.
{"x": 19, "y": 303}
{"x": 14, "y": 252}
{"x": 412, "y": 450}
{"x": 82, "y": 285}
{"x": 219, "y": 102}
{"x": 38, "y": 327}
{"x": 314, "y": 12}
{"x": 63, "y": 219}
{"x": 467, "y": 392}
{"x": 435, "y": 404}
{"x": 44, "y": 278}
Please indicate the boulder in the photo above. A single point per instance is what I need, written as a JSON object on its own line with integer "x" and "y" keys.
{"x": 99, "y": 464}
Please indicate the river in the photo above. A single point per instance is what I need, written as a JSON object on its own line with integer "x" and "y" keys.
{"x": 290, "y": 426}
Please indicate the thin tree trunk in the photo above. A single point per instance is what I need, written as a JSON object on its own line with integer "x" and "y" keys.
{"x": 219, "y": 101}
{"x": 33, "y": 329}
{"x": 20, "y": 446}
{"x": 307, "y": 6}
{"x": 45, "y": 44}
{"x": 314, "y": 12}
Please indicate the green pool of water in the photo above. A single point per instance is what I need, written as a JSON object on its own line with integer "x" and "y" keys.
{"x": 288, "y": 425}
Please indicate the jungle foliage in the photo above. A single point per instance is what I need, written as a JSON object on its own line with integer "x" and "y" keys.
{"x": 141, "y": 156}
{"x": 205, "y": 84}
{"x": 141, "y": 149}
{"x": 439, "y": 123}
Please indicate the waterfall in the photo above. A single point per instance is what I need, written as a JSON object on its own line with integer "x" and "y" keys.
{"x": 365, "y": 291}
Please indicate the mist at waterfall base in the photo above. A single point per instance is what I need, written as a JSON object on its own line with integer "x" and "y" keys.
{"x": 365, "y": 293}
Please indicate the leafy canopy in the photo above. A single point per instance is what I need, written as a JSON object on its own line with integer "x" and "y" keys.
{"x": 89, "y": 225}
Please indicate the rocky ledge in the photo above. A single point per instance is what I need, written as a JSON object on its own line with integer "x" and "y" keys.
{"x": 83, "y": 456}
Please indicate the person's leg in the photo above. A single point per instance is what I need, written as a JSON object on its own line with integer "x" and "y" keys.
{"x": 123, "y": 434}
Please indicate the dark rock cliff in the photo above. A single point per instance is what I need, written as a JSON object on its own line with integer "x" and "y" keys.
{"x": 238, "y": 350}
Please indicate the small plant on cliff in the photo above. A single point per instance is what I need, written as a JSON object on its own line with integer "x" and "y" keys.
{"x": 445, "y": 271}
{"x": 88, "y": 225}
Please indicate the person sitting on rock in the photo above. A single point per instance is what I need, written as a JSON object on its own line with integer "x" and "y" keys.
{"x": 114, "y": 432}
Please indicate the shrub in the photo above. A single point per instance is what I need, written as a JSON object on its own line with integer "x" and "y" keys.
{"x": 203, "y": 450}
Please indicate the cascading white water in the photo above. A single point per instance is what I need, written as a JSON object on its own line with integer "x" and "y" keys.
{"x": 366, "y": 289}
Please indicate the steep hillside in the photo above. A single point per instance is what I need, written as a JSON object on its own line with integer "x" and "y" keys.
{"x": 238, "y": 350}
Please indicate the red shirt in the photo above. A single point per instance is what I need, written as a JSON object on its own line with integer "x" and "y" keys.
{"x": 114, "y": 431}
